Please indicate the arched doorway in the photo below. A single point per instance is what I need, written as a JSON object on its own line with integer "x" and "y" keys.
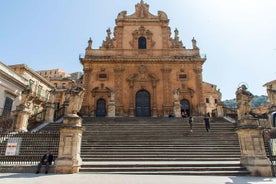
{"x": 101, "y": 108}
{"x": 185, "y": 107}
{"x": 143, "y": 104}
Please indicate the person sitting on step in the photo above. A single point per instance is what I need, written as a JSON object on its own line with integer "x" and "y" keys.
{"x": 45, "y": 160}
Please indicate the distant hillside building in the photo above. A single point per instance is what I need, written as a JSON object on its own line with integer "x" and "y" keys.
{"x": 142, "y": 70}
{"x": 54, "y": 73}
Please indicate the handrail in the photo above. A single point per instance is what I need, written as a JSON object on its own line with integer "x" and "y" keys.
{"x": 36, "y": 119}
{"x": 59, "y": 113}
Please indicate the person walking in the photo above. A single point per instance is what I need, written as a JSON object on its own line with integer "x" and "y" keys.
{"x": 207, "y": 122}
{"x": 45, "y": 160}
{"x": 191, "y": 119}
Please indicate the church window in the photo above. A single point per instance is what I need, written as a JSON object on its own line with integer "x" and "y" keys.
{"x": 182, "y": 76}
{"x": 142, "y": 43}
{"x": 102, "y": 76}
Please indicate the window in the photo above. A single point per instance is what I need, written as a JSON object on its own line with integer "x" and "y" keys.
{"x": 142, "y": 43}
{"x": 207, "y": 100}
{"x": 31, "y": 83}
{"x": 182, "y": 76}
{"x": 39, "y": 91}
{"x": 7, "y": 107}
{"x": 102, "y": 76}
{"x": 216, "y": 101}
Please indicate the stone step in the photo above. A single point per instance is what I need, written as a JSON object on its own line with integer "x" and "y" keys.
{"x": 122, "y": 145}
{"x": 157, "y": 167}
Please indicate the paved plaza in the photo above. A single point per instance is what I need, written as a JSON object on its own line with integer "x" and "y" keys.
{"x": 27, "y": 178}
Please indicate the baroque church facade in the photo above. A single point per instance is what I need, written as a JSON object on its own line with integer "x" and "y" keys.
{"x": 142, "y": 69}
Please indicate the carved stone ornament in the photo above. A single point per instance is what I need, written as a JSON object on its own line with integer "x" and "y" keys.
{"x": 108, "y": 43}
{"x": 176, "y": 43}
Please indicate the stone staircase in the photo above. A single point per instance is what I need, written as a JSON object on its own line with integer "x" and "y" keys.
{"x": 160, "y": 146}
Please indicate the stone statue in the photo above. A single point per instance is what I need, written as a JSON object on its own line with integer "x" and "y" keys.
{"x": 112, "y": 95}
{"x": 75, "y": 100}
{"x": 176, "y": 95}
{"x": 244, "y": 100}
{"x": 194, "y": 44}
{"x": 89, "y": 44}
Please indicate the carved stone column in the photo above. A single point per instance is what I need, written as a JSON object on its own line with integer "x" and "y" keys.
{"x": 253, "y": 154}
{"x": 199, "y": 91}
{"x": 118, "y": 81}
{"x": 154, "y": 108}
{"x": 50, "y": 112}
{"x": 69, "y": 160}
{"x": 131, "y": 102}
{"x": 21, "y": 119}
{"x": 167, "y": 100}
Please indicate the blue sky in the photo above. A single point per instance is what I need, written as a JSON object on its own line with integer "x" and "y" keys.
{"x": 238, "y": 36}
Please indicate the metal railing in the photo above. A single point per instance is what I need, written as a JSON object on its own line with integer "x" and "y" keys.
{"x": 31, "y": 148}
{"x": 59, "y": 113}
{"x": 36, "y": 119}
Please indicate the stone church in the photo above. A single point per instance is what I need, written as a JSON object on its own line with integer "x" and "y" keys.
{"x": 142, "y": 69}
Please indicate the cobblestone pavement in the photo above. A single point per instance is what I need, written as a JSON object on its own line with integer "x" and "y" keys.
{"x": 27, "y": 178}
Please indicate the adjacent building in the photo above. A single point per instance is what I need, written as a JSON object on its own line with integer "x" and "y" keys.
{"x": 11, "y": 86}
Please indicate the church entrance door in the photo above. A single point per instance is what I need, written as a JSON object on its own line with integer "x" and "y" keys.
{"x": 143, "y": 103}
{"x": 101, "y": 108}
{"x": 185, "y": 107}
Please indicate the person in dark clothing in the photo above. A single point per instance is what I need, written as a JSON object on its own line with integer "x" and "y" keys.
{"x": 207, "y": 123}
{"x": 45, "y": 160}
{"x": 191, "y": 119}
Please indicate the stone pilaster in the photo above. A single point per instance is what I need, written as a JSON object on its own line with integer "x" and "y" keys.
{"x": 50, "y": 112}
{"x": 253, "y": 154}
{"x": 69, "y": 160}
{"x": 21, "y": 119}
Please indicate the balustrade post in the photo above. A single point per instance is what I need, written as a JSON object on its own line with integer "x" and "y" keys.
{"x": 21, "y": 119}
{"x": 69, "y": 160}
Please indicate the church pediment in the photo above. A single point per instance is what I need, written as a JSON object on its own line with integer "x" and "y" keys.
{"x": 142, "y": 12}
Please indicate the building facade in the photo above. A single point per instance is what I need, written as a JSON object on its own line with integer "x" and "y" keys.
{"x": 214, "y": 106}
{"x": 54, "y": 73}
{"x": 141, "y": 70}
{"x": 271, "y": 93}
{"x": 38, "y": 89}
{"x": 11, "y": 87}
